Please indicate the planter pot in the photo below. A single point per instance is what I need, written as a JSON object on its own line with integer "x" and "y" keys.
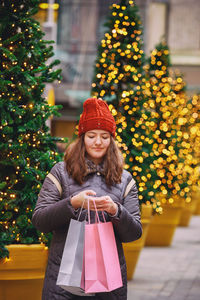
{"x": 187, "y": 212}
{"x": 162, "y": 227}
{"x": 21, "y": 276}
{"x": 197, "y": 210}
{"x": 196, "y": 195}
{"x": 132, "y": 250}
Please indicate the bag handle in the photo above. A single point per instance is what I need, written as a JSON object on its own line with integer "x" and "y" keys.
{"x": 102, "y": 212}
{"x": 81, "y": 210}
{"x": 97, "y": 215}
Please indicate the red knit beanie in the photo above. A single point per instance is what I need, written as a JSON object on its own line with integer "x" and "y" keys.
{"x": 96, "y": 115}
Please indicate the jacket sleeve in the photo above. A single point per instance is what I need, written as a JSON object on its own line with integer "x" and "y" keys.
{"x": 51, "y": 212}
{"x": 128, "y": 226}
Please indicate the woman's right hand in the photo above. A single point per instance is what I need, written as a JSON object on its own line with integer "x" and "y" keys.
{"x": 77, "y": 200}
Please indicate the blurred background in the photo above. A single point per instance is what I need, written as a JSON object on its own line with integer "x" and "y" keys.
{"x": 77, "y": 27}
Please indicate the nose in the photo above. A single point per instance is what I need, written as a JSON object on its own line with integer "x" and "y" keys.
{"x": 98, "y": 140}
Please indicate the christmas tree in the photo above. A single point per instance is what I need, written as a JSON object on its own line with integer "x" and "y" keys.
{"x": 188, "y": 120}
{"x": 171, "y": 108}
{"x": 194, "y": 125}
{"x": 27, "y": 149}
{"x": 120, "y": 55}
{"x": 194, "y": 139}
{"x": 120, "y": 79}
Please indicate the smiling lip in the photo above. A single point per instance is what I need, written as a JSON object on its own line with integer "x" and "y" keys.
{"x": 97, "y": 149}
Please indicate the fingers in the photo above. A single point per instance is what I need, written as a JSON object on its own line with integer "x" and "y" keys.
{"x": 90, "y": 192}
{"x": 99, "y": 203}
{"x": 103, "y": 203}
{"x": 78, "y": 200}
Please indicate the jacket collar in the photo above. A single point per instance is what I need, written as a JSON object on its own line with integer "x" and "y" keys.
{"x": 93, "y": 168}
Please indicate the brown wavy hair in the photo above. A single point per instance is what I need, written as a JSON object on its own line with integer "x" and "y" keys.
{"x": 75, "y": 155}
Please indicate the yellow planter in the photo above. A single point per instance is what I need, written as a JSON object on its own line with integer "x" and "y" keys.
{"x": 196, "y": 195}
{"x": 132, "y": 250}
{"x": 162, "y": 227}
{"x": 21, "y": 276}
{"x": 197, "y": 210}
{"x": 187, "y": 212}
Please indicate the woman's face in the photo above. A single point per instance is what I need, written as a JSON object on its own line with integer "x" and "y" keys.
{"x": 96, "y": 143}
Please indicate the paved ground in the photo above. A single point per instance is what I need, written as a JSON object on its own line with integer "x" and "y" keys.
{"x": 170, "y": 273}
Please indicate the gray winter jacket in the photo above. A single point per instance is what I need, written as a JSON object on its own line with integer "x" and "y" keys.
{"x": 53, "y": 213}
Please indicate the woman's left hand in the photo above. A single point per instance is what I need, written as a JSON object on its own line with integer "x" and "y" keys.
{"x": 104, "y": 203}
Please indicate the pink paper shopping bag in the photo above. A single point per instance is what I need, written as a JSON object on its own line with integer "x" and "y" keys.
{"x": 102, "y": 268}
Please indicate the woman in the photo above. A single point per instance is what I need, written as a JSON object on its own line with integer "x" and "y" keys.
{"x": 93, "y": 166}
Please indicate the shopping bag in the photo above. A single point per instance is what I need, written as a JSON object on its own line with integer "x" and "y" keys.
{"x": 102, "y": 267}
{"x": 70, "y": 272}
{"x": 70, "y": 275}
